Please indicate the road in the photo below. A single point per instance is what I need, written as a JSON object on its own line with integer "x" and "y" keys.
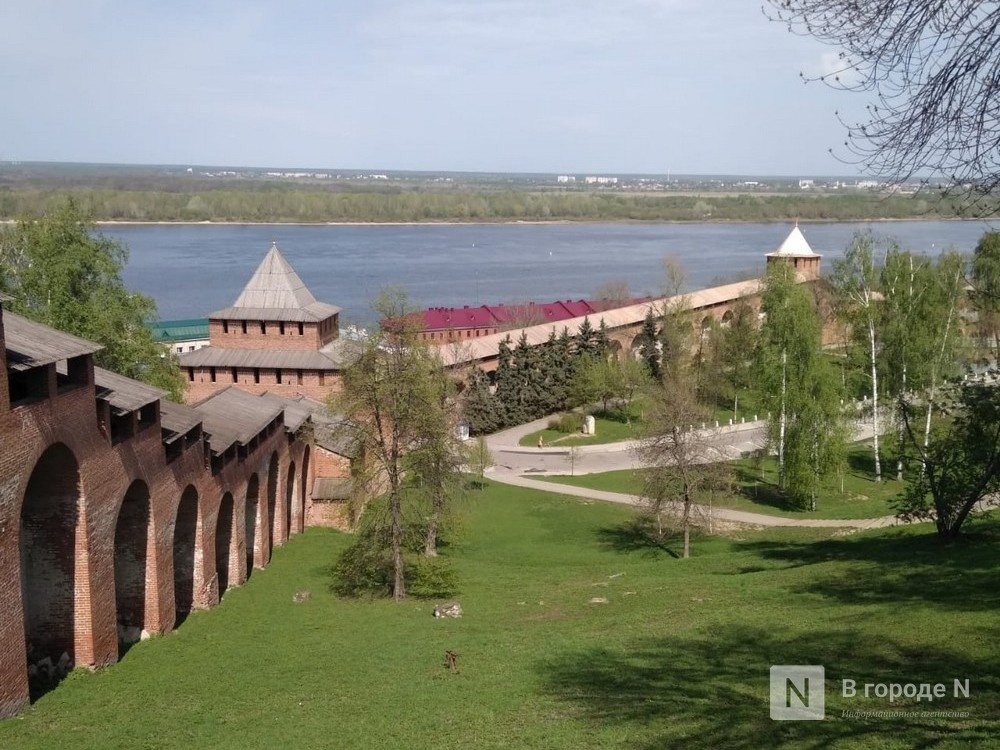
{"x": 514, "y": 463}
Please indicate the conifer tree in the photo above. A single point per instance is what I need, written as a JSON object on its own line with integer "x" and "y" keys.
{"x": 649, "y": 351}
{"x": 479, "y": 406}
{"x": 507, "y": 399}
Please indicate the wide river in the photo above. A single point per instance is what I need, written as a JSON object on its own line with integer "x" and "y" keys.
{"x": 191, "y": 270}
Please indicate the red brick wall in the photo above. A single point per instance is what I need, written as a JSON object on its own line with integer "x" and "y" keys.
{"x": 314, "y": 335}
{"x": 90, "y": 511}
{"x": 202, "y": 386}
{"x": 4, "y": 388}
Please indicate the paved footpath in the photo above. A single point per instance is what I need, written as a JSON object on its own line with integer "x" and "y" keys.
{"x": 513, "y": 462}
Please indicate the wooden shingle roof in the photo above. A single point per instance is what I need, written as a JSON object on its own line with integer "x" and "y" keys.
{"x": 124, "y": 394}
{"x": 233, "y": 415}
{"x": 275, "y": 292}
{"x": 30, "y": 344}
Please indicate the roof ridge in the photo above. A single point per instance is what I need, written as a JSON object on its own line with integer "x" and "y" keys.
{"x": 275, "y": 284}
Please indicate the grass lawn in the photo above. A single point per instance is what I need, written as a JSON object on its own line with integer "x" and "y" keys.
{"x": 610, "y": 428}
{"x": 679, "y": 656}
{"x": 757, "y": 489}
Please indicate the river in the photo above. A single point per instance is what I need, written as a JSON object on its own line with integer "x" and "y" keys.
{"x": 191, "y": 270}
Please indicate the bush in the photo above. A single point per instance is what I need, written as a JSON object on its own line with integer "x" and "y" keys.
{"x": 430, "y": 577}
{"x": 365, "y": 567}
{"x": 567, "y": 423}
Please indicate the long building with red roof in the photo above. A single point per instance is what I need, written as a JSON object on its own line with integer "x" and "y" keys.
{"x": 441, "y": 325}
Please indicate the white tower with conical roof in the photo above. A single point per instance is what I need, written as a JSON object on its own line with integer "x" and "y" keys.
{"x": 796, "y": 251}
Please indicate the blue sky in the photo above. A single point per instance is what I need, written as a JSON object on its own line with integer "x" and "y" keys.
{"x": 598, "y": 86}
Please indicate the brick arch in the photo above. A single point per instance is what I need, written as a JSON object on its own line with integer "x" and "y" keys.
{"x": 185, "y": 553}
{"x": 52, "y": 548}
{"x": 291, "y": 485}
{"x": 135, "y": 554}
{"x": 273, "y": 520}
{"x": 303, "y": 493}
{"x": 226, "y": 547}
{"x": 251, "y": 525}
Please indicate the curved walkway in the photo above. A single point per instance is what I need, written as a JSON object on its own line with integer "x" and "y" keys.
{"x": 514, "y": 461}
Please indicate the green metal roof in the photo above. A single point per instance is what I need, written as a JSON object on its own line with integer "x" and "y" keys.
{"x": 179, "y": 330}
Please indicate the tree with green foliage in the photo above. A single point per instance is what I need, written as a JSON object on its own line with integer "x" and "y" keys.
{"x": 648, "y": 340}
{"x": 507, "y": 398}
{"x": 479, "y": 407}
{"x": 986, "y": 292}
{"x": 480, "y": 458}
{"x": 64, "y": 275}
{"x": 856, "y": 280}
{"x": 738, "y": 342}
{"x": 788, "y": 346}
{"x": 818, "y": 434}
{"x": 961, "y": 461}
{"x": 587, "y": 341}
{"x": 528, "y": 380}
{"x": 394, "y": 397}
{"x": 436, "y": 458}
{"x": 683, "y": 467}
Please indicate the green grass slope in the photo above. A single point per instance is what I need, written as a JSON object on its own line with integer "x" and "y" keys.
{"x": 677, "y": 657}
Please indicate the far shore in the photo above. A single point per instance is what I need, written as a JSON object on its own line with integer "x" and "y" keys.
{"x": 448, "y": 223}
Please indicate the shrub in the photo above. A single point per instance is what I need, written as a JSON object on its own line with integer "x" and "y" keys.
{"x": 568, "y": 422}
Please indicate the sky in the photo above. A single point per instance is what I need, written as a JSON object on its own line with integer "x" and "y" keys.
{"x": 561, "y": 86}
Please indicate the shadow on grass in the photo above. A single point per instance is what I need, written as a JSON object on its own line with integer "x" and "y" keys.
{"x": 636, "y": 535}
{"x": 712, "y": 691}
{"x": 761, "y": 492}
{"x": 899, "y": 566}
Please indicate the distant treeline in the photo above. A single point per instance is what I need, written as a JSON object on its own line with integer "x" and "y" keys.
{"x": 297, "y": 204}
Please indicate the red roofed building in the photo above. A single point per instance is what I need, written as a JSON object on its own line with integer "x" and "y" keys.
{"x": 442, "y": 325}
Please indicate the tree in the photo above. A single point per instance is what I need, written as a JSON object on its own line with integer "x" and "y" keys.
{"x": 931, "y": 66}
{"x": 392, "y": 396}
{"x": 739, "y": 339}
{"x": 787, "y": 348}
{"x": 986, "y": 291}
{"x": 649, "y": 350}
{"x": 63, "y": 275}
{"x": 436, "y": 457}
{"x": 612, "y": 294}
{"x": 682, "y": 466}
{"x": 961, "y": 462}
{"x": 587, "y": 341}
{"x": 856, "y": 280}
{"x": 479, "y": 407}
{"x": 817, "y": 436}
{"x": 480, "y": 457}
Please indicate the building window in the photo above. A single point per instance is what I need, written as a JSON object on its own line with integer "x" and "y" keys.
{"x": 263, "y": 327}
{"x": 225, "y": 326}
{"x": 298, "y": 377}
{"x": 243, "y": 324}
{"x": 235, "y": 374}
{"x": 191, "y": 374}
{"x": 302, "y": 329}
{"x": 277, "y": 376}
{"x": 256, "y": 374}
{"x": 281, "y": 328}
{"x": 211, "y": 374}
{"x": 321, "y": 377}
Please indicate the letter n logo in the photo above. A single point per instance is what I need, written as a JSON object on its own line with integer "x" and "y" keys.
{"x": 797, "y": 692}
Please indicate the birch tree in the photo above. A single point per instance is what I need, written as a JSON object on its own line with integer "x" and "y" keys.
{"x": 856, "y": 281}
{"x": 788, "y": 343}
{"x": 392, "y": 395}
{"x": 683, "y": 466}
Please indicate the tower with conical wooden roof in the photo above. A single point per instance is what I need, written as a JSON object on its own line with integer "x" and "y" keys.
{"x": 796, "y": 251}
{"x": 276, "y": 337}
